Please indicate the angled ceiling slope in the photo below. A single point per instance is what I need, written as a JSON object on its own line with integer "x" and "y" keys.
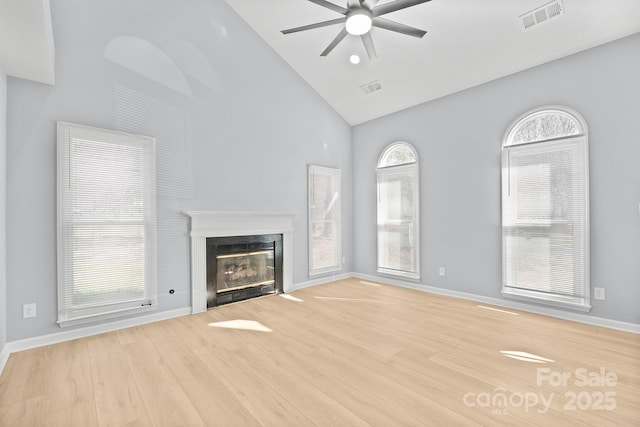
{"x": 468, "y": 42}
{"x": 26, "y": 40}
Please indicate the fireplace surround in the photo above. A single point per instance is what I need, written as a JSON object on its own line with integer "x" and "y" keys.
{"x": 207, "y": 224}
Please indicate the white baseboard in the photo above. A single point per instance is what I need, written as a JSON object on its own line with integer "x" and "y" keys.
{"x": 58, "y": 337}
{"x": 319, "y": 281}
{"x": 546, "y": 311}
{"x": 4, "y": 357}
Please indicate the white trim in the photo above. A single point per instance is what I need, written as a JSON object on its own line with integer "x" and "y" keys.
{"x": 392, "y": 147}
{"x": 4, "y": 357}
{"x": 408, "y": 275}
{"x": 223, "y": 224}
{"x": 58, "y": 337}
{"x": 578, "y": 143}
{"x": 334, "y": 174}
{"x": 584, "y": 129}
{"x": 324, "y": 271}
{"x": 556, "y": 300}
{"x": 414, "y": 167}
{"x": 319, "y": 281}
{"x": 69, "y": 313}
{"x": 99, "y": 317}
{"x": 545, "y": 311}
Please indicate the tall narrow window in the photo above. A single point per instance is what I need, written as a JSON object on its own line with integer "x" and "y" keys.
{"x": 106, "y": 224}
{"x": 545, "y": 209}
{"x": 398, "y": 212}
{"x": 325, "y": 219}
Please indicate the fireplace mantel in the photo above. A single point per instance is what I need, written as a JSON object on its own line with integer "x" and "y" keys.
{"x": 224, "y": 223}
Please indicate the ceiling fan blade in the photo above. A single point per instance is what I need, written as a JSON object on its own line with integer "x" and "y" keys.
{"x": 341, "y": 35}
{"x": 395, "y": 5}
{"x": 368, "y": 45}
{"x": 329, "y": 5}
{"x": 312, "y": 26}
{"x": 397, "y": 27}
{"x": 351, "y": 4}
{"x": 369, "y": 4}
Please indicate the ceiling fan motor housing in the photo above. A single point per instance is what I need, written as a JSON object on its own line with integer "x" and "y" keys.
{"x": 359, "y": 21}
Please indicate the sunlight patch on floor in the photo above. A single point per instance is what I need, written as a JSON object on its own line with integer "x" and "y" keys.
{"x": 247, "y": 325}
{"x": 349, "y": 299}
{"x": 370, "y": 284}
{"x": 497, "y": 309}
{"x": 526, "y": 357}
{"x": 290, "y": 297}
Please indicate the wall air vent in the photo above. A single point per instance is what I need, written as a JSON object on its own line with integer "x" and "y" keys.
{"x": 542, "y": 14}
{"x": 371, "y": 87}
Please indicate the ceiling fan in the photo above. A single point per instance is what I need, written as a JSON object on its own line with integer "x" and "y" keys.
{"x": 359, "y": 17}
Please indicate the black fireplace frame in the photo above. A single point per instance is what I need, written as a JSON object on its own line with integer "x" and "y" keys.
{"x": 212, "y": 249}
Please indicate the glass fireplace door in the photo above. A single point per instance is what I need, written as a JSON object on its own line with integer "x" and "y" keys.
{"x": 243, "y": 267}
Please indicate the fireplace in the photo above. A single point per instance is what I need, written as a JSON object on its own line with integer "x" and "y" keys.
{"x": 207, "y": 224}
{"x": 243, "y": 267}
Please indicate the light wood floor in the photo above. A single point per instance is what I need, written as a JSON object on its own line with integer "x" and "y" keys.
{"x": 348, "y": 353}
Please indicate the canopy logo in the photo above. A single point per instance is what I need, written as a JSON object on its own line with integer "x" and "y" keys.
{"x": 587, "y": 399}
{"x": 499, "y": 400}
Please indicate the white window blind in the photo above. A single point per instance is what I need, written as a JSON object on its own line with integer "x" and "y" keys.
{"x": 106, "y": 224}
{"x": 325, "y": 220}
{"x": 545, "y": 220}
{"x": 398, "y": 213}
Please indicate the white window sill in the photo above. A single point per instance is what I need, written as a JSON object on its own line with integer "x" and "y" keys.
{"x": 399, "y": 273}
{"x": 107, "y": 315}
{"x": 572, "y": 303}
{"x": 324, "y": 271}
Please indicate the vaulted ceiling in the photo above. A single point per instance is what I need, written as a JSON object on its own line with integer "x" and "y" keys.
{"x": 468, "y": 42}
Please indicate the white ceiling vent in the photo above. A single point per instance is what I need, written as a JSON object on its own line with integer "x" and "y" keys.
{"x": 371, "y": 87}
{"x": 542, "y": 14}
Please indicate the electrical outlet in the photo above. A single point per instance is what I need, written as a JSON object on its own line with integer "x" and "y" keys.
{"x": 28, "y": 310}
{"x": 441, "y": 271}
{"x": 598, "y": 293}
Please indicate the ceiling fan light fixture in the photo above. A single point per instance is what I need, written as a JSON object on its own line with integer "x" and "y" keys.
{"x": 358, "y": 22}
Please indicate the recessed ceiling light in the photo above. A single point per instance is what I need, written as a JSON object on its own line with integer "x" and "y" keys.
{"x": 358, "y": 22}
{"x": 355, "y": 59}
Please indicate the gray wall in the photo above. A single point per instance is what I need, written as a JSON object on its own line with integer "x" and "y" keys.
{"x": 458, "y": 140}
{"x": 3, "y": 208}
{"x": 236, "y": 128}
{"x": 235, "y": 125}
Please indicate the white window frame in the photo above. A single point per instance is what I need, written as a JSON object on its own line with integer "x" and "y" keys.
{"x": 70, "y": 218}
{"x": 576, "y": 142}
{"x": 383, "y": 170}
{"x": 332, "y": 216}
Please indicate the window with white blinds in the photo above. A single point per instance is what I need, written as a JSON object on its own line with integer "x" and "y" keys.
{"x": 325, "y": 220}
{"x": 106, "y": 224}
{"x": 545, "y": 209}
{"x": 398, "y": 213}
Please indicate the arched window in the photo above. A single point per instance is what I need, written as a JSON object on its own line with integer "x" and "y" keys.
{"x": 545, "y": 209}
{"x": 398, "y": 213}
